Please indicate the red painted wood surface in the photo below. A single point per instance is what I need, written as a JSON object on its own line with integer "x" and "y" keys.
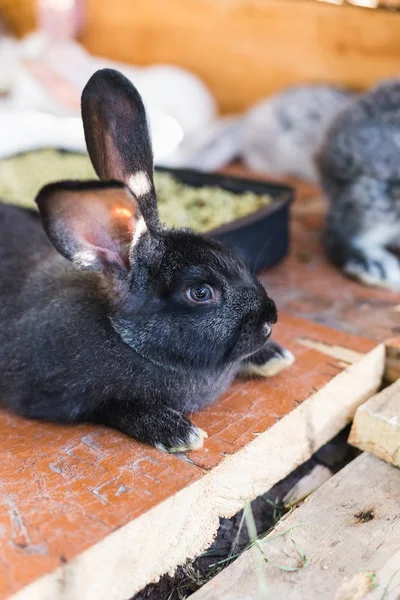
{"x": 64, "y": 488}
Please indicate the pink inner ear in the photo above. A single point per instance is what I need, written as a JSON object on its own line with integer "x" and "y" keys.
{"x": 111, "y": 239}
{"x": 114, "y": 258}
{"x": 106, "y": 224}
{"x": 90, "y": 225}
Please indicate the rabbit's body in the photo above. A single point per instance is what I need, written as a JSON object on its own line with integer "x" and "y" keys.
{"x": 62, "y": 359}
{"x": 359, "y": 166}
{"x": 51, "y": 334}
{"x": 281, "y": 134}
{"x": 119, "y": 320}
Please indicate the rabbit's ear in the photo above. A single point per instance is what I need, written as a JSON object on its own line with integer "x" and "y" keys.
{"x": 92, "y": 224}
{"x": 117, "y": 136}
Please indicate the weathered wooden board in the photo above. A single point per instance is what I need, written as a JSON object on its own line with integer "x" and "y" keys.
{"x": 392, "y": 369}
{"x": 376, "y": 425}
{"x": 243, "y": 49}
{"x": 343, "y": 543}
{"x": 247, "y": 49}
{"x": 87, "y": 513}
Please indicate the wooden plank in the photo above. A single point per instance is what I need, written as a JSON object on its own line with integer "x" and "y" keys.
{"x": 87, "y": 513}
{"x": 235, "y": 419}
{"x": 243, "y": 49}
{"x": 307, "y": 485}
{"x": 247, "y": 49}
{"x": 389, "y": 575}
{"x": 341, "y": 543}
{"x": 392, "y": 369}
{"x": 376, "y": 425}
{"x": 19, "y": 16}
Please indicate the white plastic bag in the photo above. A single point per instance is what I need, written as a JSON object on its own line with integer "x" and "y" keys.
{"x": 46, "y": 81}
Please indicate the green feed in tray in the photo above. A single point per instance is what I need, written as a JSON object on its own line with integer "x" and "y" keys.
{"x": 180, "y": 205}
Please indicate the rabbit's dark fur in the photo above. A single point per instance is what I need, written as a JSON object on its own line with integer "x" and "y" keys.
{"x": 102, "y": 330}
{"x": 359, "y": 165}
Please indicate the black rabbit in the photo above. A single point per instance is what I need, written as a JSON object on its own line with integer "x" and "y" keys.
{"x": 359, "y": 166}
{"x": 128, "y": 324}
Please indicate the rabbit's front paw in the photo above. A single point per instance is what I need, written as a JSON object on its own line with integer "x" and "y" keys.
{"x": 375, "y": 267}
{"x": 179, "y": 434}
{"x": 268, "y": 362}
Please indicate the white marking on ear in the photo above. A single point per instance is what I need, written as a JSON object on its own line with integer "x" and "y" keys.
{"x": 141, "y": 228}
{"x": 139, "y": 183}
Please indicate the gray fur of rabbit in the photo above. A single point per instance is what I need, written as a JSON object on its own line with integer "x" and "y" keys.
{"x": 281, "y": 134}
{"x": 359, "y": 165}
{"x": 106, "y": 316}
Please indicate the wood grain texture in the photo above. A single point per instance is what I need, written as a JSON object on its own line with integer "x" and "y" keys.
{"x": 348, "y": 532}
{"x": 73, "y": 498}
{"x": 392, "y": 369}
{"x": 247, "y": 49}
{"x": 376, "y": 425}
{"x": 226, "y": 420}
{"x": 19, "y": 15}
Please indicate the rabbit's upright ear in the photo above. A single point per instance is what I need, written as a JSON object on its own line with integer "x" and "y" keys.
{"x": 92, "y": 224}
{"x": 117, "y": 136}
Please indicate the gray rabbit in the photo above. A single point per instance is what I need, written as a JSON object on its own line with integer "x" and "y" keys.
{"x": 281, "y": 134}
{"x": 105, "y": 315}
{"x": 277, "y": 136}
{"x": 359, "y": 166}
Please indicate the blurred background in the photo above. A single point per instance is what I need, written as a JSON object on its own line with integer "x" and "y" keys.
{"x": 209, "y": 71}
{"x": 248, "y": 87}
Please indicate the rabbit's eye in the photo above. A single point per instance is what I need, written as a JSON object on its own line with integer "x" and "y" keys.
{"x": 199, "y": 293}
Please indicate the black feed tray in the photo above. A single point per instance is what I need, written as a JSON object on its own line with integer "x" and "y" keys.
{"x": 261, "y": 238}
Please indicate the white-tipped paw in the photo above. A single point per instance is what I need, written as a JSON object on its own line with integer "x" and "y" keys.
{"x": 375, "y": 267}
{"x": 194, "y": 440}
{"x": 274, "y": 365}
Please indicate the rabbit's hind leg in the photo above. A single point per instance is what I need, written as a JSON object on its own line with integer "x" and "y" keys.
{"x": 364, "y": 259}
{"x": 362, "y": 223}
{"x": 375, "y": 266}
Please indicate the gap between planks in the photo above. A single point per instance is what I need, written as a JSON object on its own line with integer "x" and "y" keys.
{"x": 141, "y": 551}
{"x": 343, "y": 543}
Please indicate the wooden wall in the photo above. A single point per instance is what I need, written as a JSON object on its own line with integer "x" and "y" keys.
{"x": 243, "y": 49}
{"x": 246, "y": 49}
